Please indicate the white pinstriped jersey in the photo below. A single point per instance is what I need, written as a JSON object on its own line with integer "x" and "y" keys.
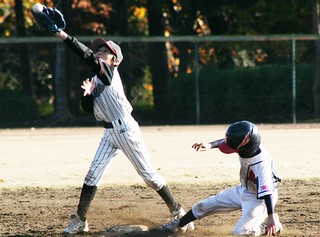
{"x": 258, "y": 175}
{"x": 112, "y": 106}
{"x": 110, "y": 102}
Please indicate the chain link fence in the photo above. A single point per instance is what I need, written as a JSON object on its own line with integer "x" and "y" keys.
{"x": 178, "y": 80}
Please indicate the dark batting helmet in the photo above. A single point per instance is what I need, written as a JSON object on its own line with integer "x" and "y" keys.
{"x": 242, "y": 137}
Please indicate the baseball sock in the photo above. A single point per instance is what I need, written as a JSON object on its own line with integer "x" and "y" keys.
{"x": 86, "y": 196}
{"x": 166, "y": 195}
{"x": 187, "y": 218}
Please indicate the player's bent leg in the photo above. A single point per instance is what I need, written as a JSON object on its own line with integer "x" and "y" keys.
{"x": 254, "y": 212}
{"x": 225, "y": 201}
{"x": 136, "y": 151}
{"x": 254, "y": 216}
{"x": 250, "y": 224}
{"x": 134, "y": 148}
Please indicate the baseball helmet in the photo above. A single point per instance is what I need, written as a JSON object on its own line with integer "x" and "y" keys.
{"x": 242, "y": 137}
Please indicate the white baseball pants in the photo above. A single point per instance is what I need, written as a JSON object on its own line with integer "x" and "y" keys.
{"x": 126, "y": 136}
{"x": 254, "y": 211}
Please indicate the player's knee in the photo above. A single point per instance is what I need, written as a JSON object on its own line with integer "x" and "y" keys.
{"x": 199, "y": 210}
{"x": 91, "y": 179}
{"x": 156, "y": 182}
{"x": 238, "y": 231}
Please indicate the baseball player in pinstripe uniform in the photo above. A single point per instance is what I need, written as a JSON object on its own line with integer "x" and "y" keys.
{"x": 256, "y": 194}
{"x": 104, "y": 95}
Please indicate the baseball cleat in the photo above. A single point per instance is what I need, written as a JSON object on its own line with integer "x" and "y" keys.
{"x": 76, "y": 225}
{"x": 171, "y": 228}
{"x": 181, "y": 213}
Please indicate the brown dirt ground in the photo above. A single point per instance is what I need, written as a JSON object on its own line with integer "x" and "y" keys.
{"x": 41, "y": 171}
{"x": 45, "y": 211}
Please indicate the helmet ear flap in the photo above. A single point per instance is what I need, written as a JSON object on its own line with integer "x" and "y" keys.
{"x": 244, "y": 137}
{"x": 252, "y": 148}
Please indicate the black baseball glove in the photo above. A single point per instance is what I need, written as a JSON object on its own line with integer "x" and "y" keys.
{"x": 50, "y": 19}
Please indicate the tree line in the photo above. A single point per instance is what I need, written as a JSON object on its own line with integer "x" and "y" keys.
{"x": 162, "y": 18}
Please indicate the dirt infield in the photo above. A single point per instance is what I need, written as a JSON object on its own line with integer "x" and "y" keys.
{"x": 41, "y": 171}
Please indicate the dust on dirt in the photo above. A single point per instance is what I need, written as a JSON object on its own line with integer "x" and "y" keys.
{"x": 45, "y": 211}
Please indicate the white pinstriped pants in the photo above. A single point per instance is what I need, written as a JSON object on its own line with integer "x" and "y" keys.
{"x": 127, "y": 137}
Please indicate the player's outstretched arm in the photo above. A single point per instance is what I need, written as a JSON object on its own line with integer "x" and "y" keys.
{"x": 204, "y": 146}
{"x": 62, "y": 35}
{"x": 201, "y": 146}
{"x": 103, "y": 70}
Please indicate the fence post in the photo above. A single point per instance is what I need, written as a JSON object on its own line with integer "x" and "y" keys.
{"x": 294, "y": 115}
{"x": 196, "y": 81}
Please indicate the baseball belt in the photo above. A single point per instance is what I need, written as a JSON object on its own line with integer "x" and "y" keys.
{"x": 109, "y": 124}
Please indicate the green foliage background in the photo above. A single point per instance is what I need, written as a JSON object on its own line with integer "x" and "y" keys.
{"x": 17, "y": 109}
{"x": 243, "y": 93}
{"x": 231, "y": 81}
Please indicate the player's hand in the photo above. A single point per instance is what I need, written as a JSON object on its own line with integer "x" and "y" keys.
{"x": 271, "y": 226}
{"x": 201, "y": 146}
{"x": 88, "y": 87}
